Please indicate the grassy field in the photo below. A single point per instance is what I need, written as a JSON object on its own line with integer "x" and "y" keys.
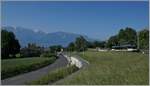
{"x": 112, "y": 68}
{"x": 12, "y": 67}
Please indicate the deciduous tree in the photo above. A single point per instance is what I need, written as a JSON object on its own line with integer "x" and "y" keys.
{"x": 10, "y": 45}
{"x": 144, "y": 39}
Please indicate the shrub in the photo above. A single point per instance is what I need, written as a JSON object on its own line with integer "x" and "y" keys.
{"x": 19, "y": 55}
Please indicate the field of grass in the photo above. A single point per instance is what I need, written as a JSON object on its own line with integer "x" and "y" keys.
{"x": 12, "y": 67}
{"x": 112, "y": 68}
{"x": 54, "y": 75}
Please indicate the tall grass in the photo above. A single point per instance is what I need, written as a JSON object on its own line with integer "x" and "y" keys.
{"x": 112, "y": 68}
{"x": 12, "y": 67}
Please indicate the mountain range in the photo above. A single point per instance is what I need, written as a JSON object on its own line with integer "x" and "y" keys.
{"x": 44, "y": 39}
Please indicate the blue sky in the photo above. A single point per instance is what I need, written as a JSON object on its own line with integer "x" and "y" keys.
{"x": 98, "y": 20}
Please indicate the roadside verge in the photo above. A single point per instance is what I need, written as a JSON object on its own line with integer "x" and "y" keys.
{"x": 73, "y": 60}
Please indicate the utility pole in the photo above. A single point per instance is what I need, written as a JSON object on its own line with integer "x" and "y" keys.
{"x": 138, "y": 44}
{"x": 83, "y": 51}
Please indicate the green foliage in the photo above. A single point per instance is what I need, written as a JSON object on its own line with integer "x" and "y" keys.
{"x": 71, "y": 47}
{"x": 18, "y": 55}
{"x": 54, "y": 75}
{"x": 55, "y": 48}
{"x": 90, "y": 45}
{"x": 122, "y": 36}
{"x": 81, "y": 44}
{"x": 113, "y": 41}
{"x": 100, "y": 44}
{"x": 9, "y": 44}
{"x": 32, "y": 50}
{"x": 112, "y": 68}
{"x": 128, "y": 36}
{"x": 12, "y": 67}
{"x": 144, "y": 39}
{"x": 125, "y": 36}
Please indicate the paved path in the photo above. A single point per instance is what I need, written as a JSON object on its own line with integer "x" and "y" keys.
{"x": 23, "y": 78}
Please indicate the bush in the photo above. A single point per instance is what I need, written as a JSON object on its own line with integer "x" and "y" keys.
{"x": 19, "y": 55}
{"x": 30, "y": 52}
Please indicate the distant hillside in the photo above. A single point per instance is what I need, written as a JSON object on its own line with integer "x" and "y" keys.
{"x": 26, "y": 36}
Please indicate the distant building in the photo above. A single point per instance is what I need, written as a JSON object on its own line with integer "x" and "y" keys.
{"x": 126, "y": 47}
{"x": 100, "y": 49}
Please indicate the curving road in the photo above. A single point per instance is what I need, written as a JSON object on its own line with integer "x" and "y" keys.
{"x": 27, "y": 77}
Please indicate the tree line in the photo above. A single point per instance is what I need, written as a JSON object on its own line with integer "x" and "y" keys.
{"x": 130, "y": 36}
{"x": 10, "y": 46}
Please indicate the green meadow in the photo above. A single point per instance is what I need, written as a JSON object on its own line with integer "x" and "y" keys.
{"x": 12, "y": 67}
{"x": 112, "y": 68}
